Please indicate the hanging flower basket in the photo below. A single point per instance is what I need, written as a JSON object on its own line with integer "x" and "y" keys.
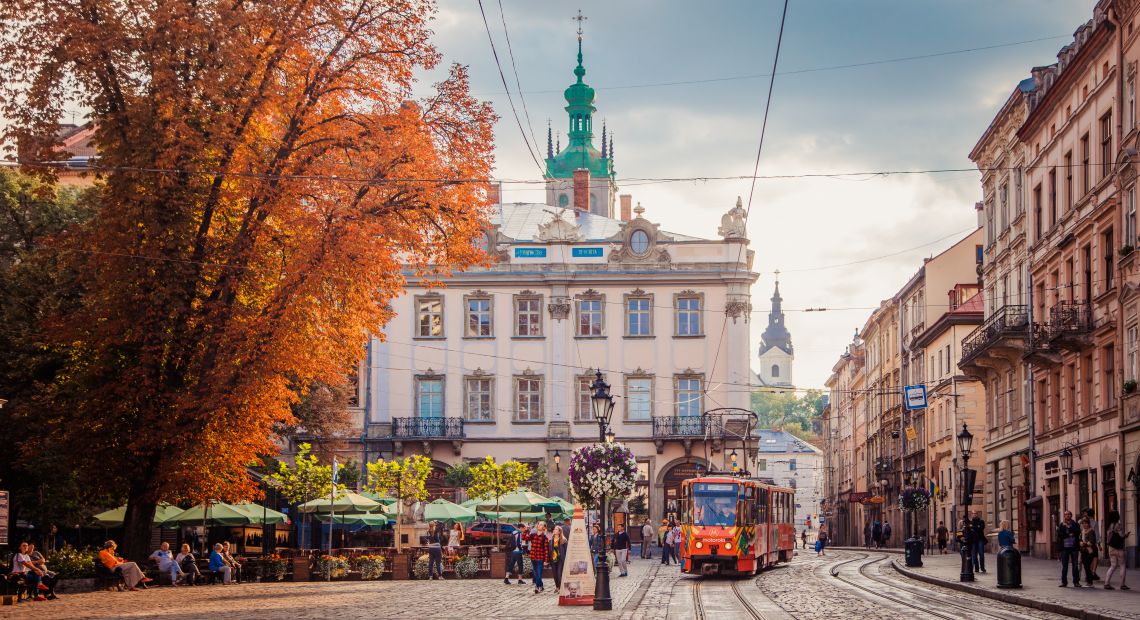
{"x": 606, "y": 469}
{"x": 914, "y": 499}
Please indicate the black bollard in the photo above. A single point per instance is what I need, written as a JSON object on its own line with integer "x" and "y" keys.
{"x": 913, "y": 551}
{"x": 1008, "y": 568}
{"x": 967, "y": 573}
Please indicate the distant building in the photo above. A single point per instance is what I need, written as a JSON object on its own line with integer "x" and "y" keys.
{"x": 776, "y": 352}
{"x": 789, "y": 461}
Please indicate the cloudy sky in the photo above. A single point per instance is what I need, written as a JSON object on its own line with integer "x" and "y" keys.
{"x": 917, "y": 114}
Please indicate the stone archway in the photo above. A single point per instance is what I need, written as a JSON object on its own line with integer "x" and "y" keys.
{"x": 436, "y": 484}
{"x": 668, "y": 484}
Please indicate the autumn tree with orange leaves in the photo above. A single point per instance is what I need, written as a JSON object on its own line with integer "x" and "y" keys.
{"x": 265, "y": 177}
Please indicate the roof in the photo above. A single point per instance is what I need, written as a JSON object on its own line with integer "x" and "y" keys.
{"x": 521, "y": 220}
{"x": 783, "y": 442}
{"x": 971, "y": 305}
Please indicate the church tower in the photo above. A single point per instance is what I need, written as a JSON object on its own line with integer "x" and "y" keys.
{"x": 776, "y": 352}
{"x": 580, "y": 152}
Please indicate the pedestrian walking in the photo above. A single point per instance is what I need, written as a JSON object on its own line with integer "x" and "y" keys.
{"x": 539, "y": 554}
{"x": 667, "y": 547}
{"x": 877, "y": 534}
{"x": 978, "y": 525}
{"x": 886, "y": 534}
{"x": 435, "y": 550}
{"x": 803, "y": 539}
{"x": 515, "y": 557}
{"x": 596, "y": 542}
{"x": 1115, "y": 539}
{"x": 1090, "y": 549}
{"x": 621, "y": 550}
{"x": 558, "y": 555}
{"x": 646, "y": 540}
{"x": 1090, "y": 514}
{"x": 1069, "y": 533}
{"x": 943, "y": 537}
{"x": 821, "y": 542}
{"x": 867, "y": 534}
{"x": 677, "y": 543}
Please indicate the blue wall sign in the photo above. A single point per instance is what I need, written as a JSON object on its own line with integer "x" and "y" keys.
{"x": 586, "y": 252}
{"x": 914, "y": 396}
{"x": 530, "y": 252}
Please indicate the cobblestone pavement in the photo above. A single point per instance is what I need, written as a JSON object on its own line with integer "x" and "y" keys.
{"x": 360, "y": 600}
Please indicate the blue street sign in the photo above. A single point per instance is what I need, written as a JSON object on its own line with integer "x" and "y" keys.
{"x": 914, "y": 396}
{"x": 530, "y": 252}
{"x": 586, "y": 252}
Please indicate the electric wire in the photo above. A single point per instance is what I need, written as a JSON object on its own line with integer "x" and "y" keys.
{"x": 515, "y": 70}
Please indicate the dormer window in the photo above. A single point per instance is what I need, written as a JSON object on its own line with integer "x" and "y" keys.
{"x": 639, "y": 242}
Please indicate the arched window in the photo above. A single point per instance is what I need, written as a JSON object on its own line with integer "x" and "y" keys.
{"x": 775, "y": 370}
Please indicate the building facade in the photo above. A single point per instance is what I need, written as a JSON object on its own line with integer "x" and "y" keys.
{"x": 789, "y": 461}
{"x": 777, "y": 356}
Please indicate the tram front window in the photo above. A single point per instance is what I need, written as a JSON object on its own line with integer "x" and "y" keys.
{"x": 714, "y": 504}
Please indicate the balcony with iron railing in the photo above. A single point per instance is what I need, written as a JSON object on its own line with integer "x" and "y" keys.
{"x": 427, "y": 428}
{"x": 1006, "y": 328}
{"x": 686, "y": 427}
{"x": 1070, "y": 325}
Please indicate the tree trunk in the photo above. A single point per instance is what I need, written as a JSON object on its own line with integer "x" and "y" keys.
{"x": 137, "y": 524}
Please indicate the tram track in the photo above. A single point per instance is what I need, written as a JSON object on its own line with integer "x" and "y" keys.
{"x": 701, "y": 610}
{"x": 933, "y": 603}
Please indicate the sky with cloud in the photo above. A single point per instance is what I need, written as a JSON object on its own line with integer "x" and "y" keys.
{"x": 919, "y": 114}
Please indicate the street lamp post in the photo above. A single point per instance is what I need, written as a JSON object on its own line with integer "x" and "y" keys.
{"x": 965, "y": 444}
{"x": 603, "y": 404}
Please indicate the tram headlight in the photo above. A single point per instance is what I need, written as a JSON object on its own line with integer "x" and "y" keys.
{"x": 728, "y": 545}
{"x": 700, "y": 545}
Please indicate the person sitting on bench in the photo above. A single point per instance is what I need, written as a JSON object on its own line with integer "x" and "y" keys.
{"x": 22, "y": 567}
{"x": 49, "y": 578}
{"x": 219, "y": 566}
{"x": 235, "y": 566}
{"x": 165, "y": 561}
{"x": 189, "y": 565}
{"x": 132, "y": 574}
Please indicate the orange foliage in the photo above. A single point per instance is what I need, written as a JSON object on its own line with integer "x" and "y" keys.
{"x": 226, "y": 268}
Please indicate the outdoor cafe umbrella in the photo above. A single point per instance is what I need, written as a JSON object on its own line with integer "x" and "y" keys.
{"x": 212, "y": 513}
{"x": 512, "y": 516}
{"x": 262, "y": 515}
{"x": 387, "y": 501}
{"x": 443, "y": 510}
{"x": 564, "y": 506}
{"x": 345, "y": 501}
{"x": 360, "y": 518}
{"x": 115, "y": 517}
{"x": 519, "y": 501}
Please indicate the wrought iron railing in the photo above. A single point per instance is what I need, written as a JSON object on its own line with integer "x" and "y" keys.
{"x": 427, "y": 428}
{"x": 686, "y": 426}
{"x": 1006, "y": 321}
{"x": 1070, "y": 318}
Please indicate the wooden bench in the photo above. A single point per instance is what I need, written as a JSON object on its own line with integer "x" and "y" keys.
{"x": 106, "y": 579}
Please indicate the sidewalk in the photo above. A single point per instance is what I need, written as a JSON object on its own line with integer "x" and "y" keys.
{"x": 1039, "y": 581}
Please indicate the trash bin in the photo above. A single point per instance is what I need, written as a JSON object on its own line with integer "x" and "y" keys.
{"x": 1008, "y": 568}
{"x": 913, "y": 551}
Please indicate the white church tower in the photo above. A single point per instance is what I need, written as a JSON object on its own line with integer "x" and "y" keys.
{"x": 776, "y": 352}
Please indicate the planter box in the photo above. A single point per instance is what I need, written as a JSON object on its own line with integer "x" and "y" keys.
{"x": 301, "y": 570}
{"x": 400, "y": 569}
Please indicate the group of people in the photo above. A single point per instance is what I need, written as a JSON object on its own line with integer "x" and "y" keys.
{"x": 30, "y": 570}
{"x": 669, "y": 539}
{"x": 820, "y": 539}
{"x": 438, "y": 538}
{"x": 182, "y": 568}
{"x": 877, "y": 534}
{"x": 971, "y": 537}
{"x": 1081, "y": 548}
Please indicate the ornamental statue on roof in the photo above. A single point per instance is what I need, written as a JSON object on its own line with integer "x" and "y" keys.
{"x": 734, "y": 225}
{"x": 580, "y": 152}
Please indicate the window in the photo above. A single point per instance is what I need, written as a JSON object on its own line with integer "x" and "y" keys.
{"x": 1132, "y": 343}
{"x": 639, "y": 242}
{"x": 429, "y": 397}
{"x": 585, "y": 408}
{"x": 563, "y": 201}
{"x": 1019, "y": 205}
{"x": 429, "y": 317}
{"x": 479, "y": 311}
{"x": 590, "y": 317}
{"x": 1068, "y": 180}
{"x": 638, "y": 316}
{"x": 480, "y": 399}
{"x": 528, "y": 398}
{"x": 990, "y": 232}
{"x": 638, "y": 398}
{"x": 1108, "y": 363}
{"x": 1052, "y": 197}
{"x": 528, "y": 316}
{"x": 1085, "y": 165}
{"x": 688, "y": 313}
{"x": 1037, "y": 226}
{"x": 775, "y": 371}
{"x": 1131, "y": 120}
{"x": 1130, "y": 216}
{"x": 1106, "y": 241}
{"x": 1106, "y": 144}
{"x": 687, "y": 394}
{"x": 1003, "y": 202}
{"x": 792, "y": 465}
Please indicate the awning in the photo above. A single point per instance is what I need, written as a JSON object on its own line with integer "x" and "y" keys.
{"x": 1036, "y": 499}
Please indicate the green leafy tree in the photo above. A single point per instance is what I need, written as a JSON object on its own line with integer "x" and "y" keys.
{"x": 784, "y": 409}
{"x": 491, "y": 480}
{"x": 458, "y": 475}
{"x": 404, "y": 479}
{"x": 539, "y": 480}
{"x": 305, "y": 481}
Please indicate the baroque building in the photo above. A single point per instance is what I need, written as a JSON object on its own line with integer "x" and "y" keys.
{"x": 776, "y": 352}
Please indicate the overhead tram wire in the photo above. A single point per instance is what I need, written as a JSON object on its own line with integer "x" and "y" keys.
{"x": 755, "y": 171}
{"x": 515, "y": 70}
{"x": 503, "y": 78}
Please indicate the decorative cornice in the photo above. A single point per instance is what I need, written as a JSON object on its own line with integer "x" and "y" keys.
{"x": 478, "y": 293}
{"x": 588, "y": 293}
{"x": 637, "y": 291}
{"x": 559, "y": 308}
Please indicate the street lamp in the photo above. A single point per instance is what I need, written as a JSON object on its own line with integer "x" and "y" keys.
{"x": 965, "y": 445}
{"x": 557, "y": 461}
{"x": 1067, "y": 463}
{"x": 603, "y": 409}
{"x": 732, "y": 457}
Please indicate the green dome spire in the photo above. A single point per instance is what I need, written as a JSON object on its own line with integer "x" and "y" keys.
{"x": 580, "y": 151}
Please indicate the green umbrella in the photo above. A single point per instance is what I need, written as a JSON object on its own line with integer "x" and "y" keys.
{"x": 211, "y": 513}
{"x": 114, "y": 518}
{"x": 387, "y": 501}
{"x": 521, "y": 500}
{"x": 443, "y": 510}
{"x": 262, "y": 515}
{"x": 512, "y": 516}
{"x": 359, "y": 518}
{"x": 346, "y": 501}
{"x": 566, "y": 507}
{"x": 471, "y": 503}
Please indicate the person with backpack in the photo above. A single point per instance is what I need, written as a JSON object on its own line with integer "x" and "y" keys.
{"x": 515, "y": 556}
{"x": 886, "y": 534}
{"x": 877, "y": 534}
{"x": 1115, "y": 537}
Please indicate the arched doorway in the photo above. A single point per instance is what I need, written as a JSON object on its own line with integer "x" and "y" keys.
{"x": 671, "y": 479}
{"x": 436, "y": 484}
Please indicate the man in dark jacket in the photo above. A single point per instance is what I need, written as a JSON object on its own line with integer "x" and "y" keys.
{"x": 515, "y": 557}
{"x": 621, "y": 546}
{"x": 979, "y": 527}
{"x": 1069, "y": 535}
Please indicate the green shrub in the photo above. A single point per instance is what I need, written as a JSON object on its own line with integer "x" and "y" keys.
{"x": 69, "y": 563}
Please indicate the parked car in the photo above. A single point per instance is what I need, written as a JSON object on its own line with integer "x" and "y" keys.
{"x": 484, "y": 533}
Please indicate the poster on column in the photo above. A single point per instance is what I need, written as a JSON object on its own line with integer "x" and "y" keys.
{"x": 577, "y": 567}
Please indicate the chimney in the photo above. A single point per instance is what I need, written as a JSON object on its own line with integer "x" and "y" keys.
{"x": 581, "y": 191}
{"x": 495, "y": 193}
{"x": 626, "y": 207}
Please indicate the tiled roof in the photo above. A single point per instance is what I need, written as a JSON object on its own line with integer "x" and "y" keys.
{"x": 520, "y": 221}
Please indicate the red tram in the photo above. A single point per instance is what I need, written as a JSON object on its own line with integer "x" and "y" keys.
{"x": 735, "y": 526}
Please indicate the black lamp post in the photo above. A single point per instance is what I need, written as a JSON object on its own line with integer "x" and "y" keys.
{"x": 557, "y": 461}
{"x": 965, "y": 444}
{"x": 1067, "y": 463}
{"x": 603, "y": 409}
